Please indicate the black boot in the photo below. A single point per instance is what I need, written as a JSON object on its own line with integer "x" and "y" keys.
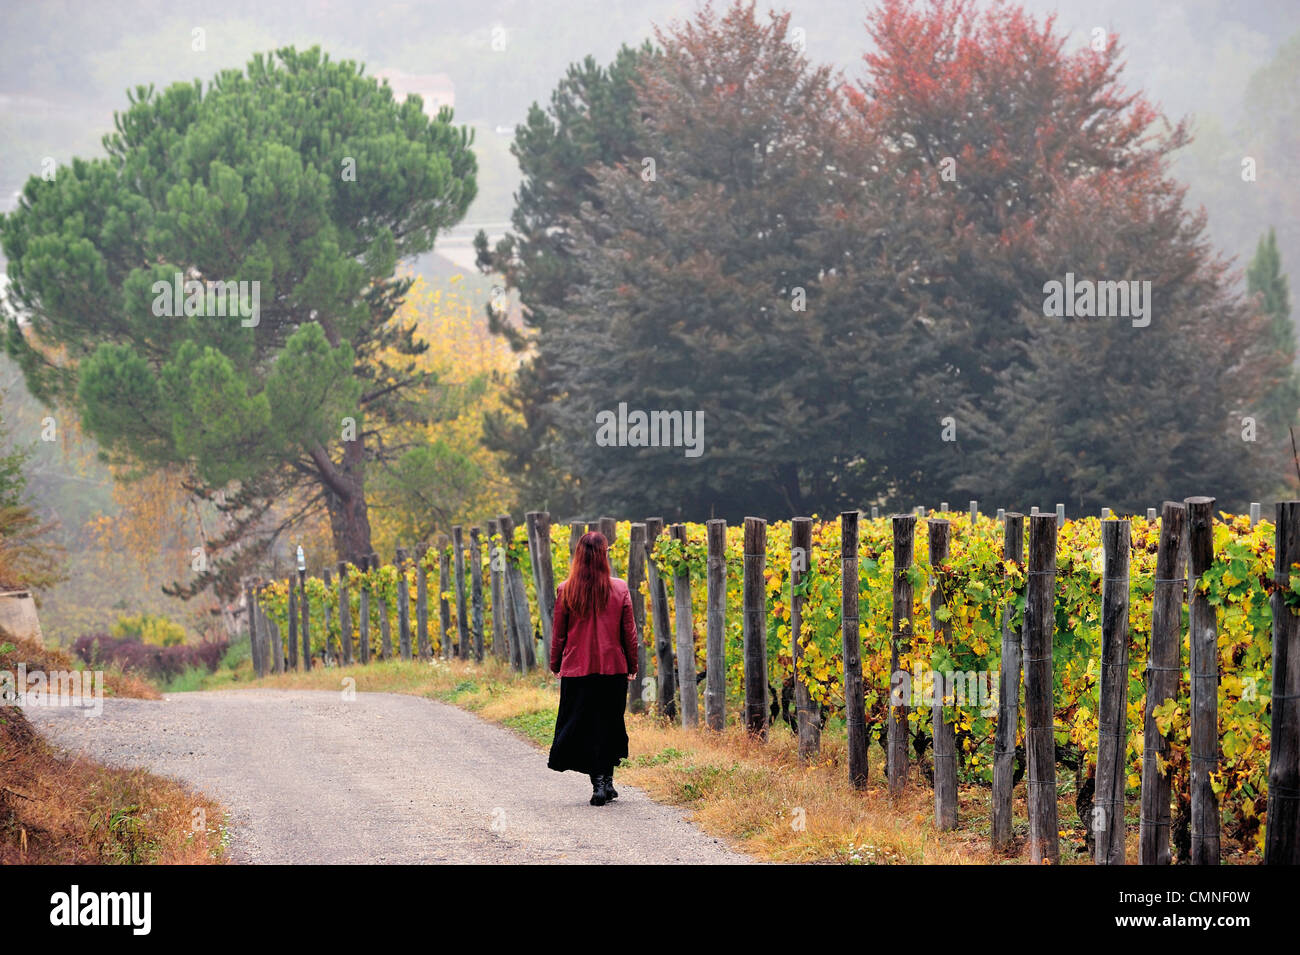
{"x": 611, "y": 792}
{"x": 599, "y": 792}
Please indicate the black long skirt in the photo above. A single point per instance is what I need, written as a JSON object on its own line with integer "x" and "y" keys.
{"x": 590, "y": 736}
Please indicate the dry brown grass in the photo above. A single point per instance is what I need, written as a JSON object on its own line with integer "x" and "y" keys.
{"x": 754, "y": 794}
{"x": 59, "y": 809}
{"x": 40, "y": 657}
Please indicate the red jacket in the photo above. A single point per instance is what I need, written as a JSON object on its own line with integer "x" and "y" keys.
{"x": 605, "y": 642}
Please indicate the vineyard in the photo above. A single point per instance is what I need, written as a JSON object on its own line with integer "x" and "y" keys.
{"x": 980, "y": 590}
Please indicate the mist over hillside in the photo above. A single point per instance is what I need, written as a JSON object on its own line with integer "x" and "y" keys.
{"x": 65, "y": 67}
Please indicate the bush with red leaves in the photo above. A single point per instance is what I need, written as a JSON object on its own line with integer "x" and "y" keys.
{"x": 160, "y": 663}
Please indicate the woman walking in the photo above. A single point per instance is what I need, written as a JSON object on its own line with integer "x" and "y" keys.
{"x": 594, "y": 651}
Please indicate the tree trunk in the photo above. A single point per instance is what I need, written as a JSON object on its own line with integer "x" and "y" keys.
{"x": 345, "y": 499}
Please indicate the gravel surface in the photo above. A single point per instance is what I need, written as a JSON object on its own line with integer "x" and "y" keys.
{"x": 385, "y": 778}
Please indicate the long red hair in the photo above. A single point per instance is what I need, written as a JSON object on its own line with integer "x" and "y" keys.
{"x": 587, "y": 589}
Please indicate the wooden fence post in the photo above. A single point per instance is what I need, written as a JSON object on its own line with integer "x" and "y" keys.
{"x": 293, "y": 625}
{"x": 304, "y": 607}
{"x": 685, "y": 636}
{"x": 265, "y": 634}
{"x": 1254, "y": 513}
{"x": 1040, "y": 740}
{"x": 345, "y": 615}
{"x": 1163, "y": 669}
{"x": 576, "y": 530}
{"x": 1282, "y": 837}
{"x": 518, "y": 599}
{"x": 666, "y": 678}
{"x": 1203, "y": 640}
{"x": 500, "y": 649}
{"x": 385, "y": 624}
{"x": 363, "y": 613}
{"x": 1112, "y": 719}
{"x": 276, "y": 641}
{"x": 327, "y": 652}
{"x": 807, "y": 717}
{"x": 458, "y": 567}
{"x": 423, "y": 645}
{"x": 1004, "y": 739}
{"x": 476, "y": 591}
{"x": 754, "y": 626}
{"x": 945, "y": 738}
{"x": 246, "y": 585}
{"x": 900, "y": 643}
{"x": 539, "y": 537}
{"x": 636, "y": 574}
{"x": 855, "y": 716}
{"x": 263, "y": 629}
{"x": 715, "y": 659}
{"x": 609, "y": 528}
{"x": 254, "y": 649}
{"x": 444, "y": 606}
{"x": 403, "y": 607}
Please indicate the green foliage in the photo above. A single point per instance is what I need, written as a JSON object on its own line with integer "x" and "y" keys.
{"x": 591, "y": 120}
{"x": 13, "y": 482}
{"x": 30, "y": 554}
{"x": 980, "y": 586}
{"x": 304, "y": 181}
{"x": 148, "y": 628}
{"x": 1265, "y": 279}
{"x": 922, "y": 286}
{"x": 538, "y": 726}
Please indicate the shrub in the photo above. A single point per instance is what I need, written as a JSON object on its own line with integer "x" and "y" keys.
{"x": 159, "y": 663}
{"x": 149, "y": 628}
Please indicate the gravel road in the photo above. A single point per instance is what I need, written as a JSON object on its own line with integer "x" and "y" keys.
{"x": 385, "y": 778}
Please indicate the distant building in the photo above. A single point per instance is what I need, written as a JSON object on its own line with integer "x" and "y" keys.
{"x": 436, "y": 89}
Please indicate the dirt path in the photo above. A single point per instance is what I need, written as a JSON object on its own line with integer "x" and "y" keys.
{"x": 386, "y": 778}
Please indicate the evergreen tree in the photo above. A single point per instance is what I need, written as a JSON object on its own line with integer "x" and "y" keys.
{"x": 591, "y": 120}
{"x": 1266, "y": 280}
{"x": 304, "y": 179}
{"x": 694, "y": 280}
